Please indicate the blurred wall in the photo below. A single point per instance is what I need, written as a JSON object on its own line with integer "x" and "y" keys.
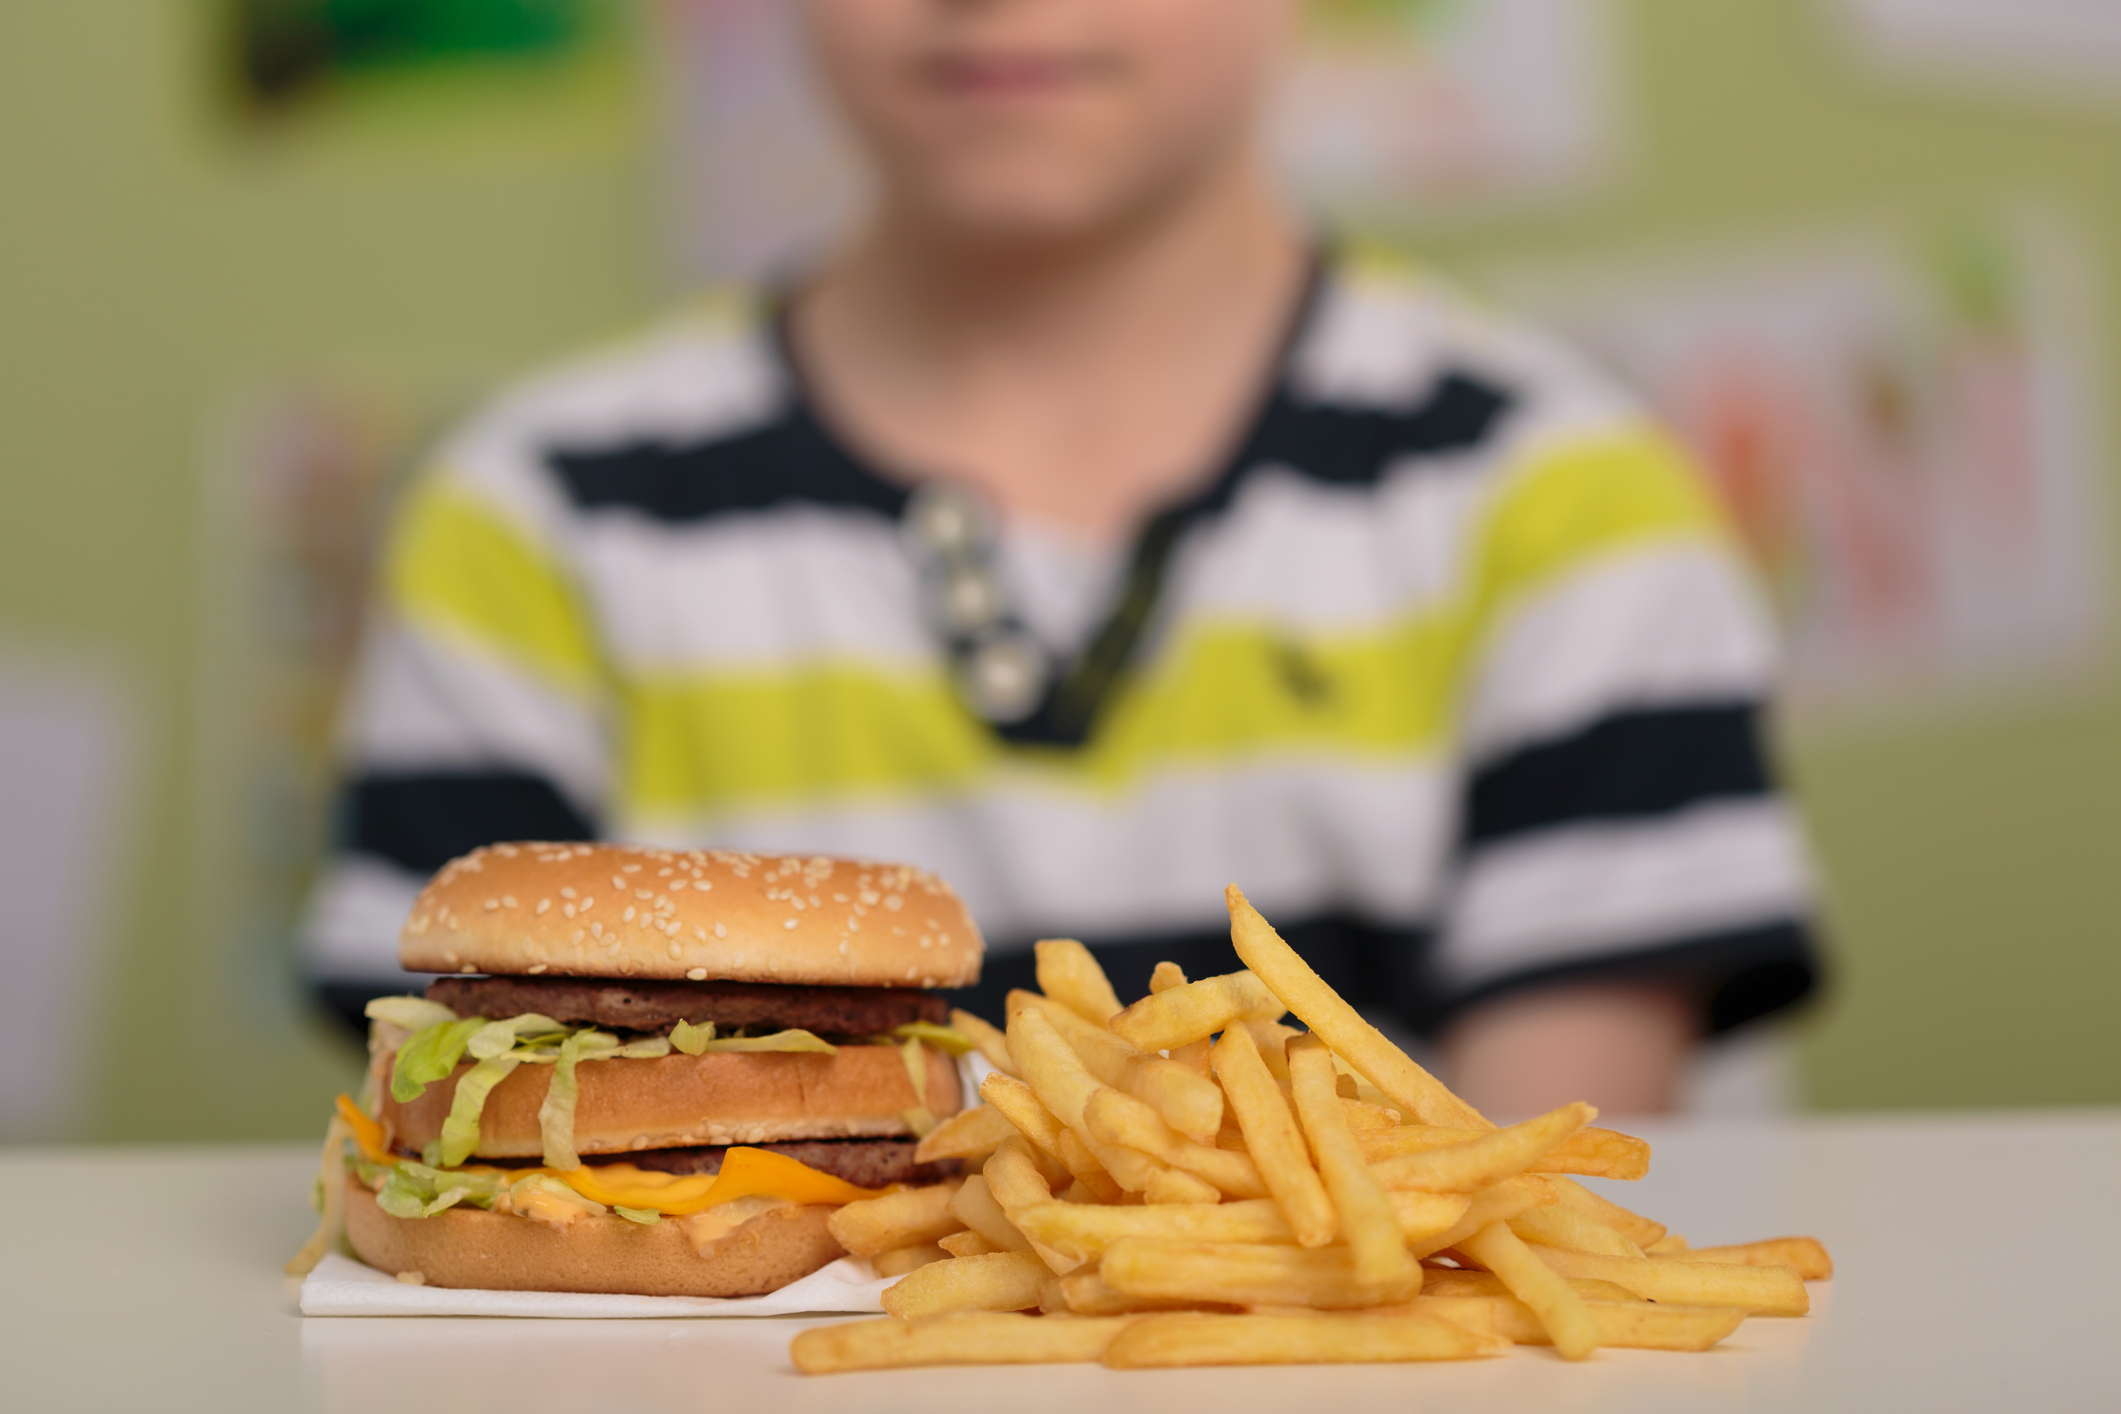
{"x": 158, "y": 260}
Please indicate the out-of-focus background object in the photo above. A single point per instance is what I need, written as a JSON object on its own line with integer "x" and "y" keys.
{"x": 1864, "y": 253}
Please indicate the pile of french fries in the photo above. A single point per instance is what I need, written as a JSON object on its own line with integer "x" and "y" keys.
{"x": 1188, "y": 1181}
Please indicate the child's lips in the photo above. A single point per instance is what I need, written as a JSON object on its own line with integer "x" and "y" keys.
{"x": 1001, "y": 76}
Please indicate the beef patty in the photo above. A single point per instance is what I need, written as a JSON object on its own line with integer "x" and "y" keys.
{"x": 865, "y": 1163}
{"x": 653, "y": 1006}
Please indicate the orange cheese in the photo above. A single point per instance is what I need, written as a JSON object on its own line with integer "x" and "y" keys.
{"x": 367, "y": 1132}
{"x": 746, "y": 1173}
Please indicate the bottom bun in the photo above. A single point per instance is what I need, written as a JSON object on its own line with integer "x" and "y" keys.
{"x": 467, "y": 1247}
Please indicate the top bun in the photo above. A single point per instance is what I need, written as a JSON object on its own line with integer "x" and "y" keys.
{"x": 602, "y": 910}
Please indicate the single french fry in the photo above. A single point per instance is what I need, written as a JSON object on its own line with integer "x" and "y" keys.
{"x": 1181, "y": 1015}
{"x": 1014, "y": 1179}
{"x": 1070, "y": 975}
{"x": 901, "y": 1260}
{"x": 1176, "y": 1186}
{"x": 1477, "y": 1163}
{"x": 1416, "y": 1092}
{"x": 1245, "y": 1274}
{"x": 1641, "y": 1231}
{"x": 906, "y": 1218}
{"x": 1807, "y": 1256}
{"x": 1188, "y": 1101}
{"x": 975, "y": 1207}
{"x": 1084, "y": 1230}
{"x": 1366, "y": 1118}
{"x": 964, "y": 1244}
{"x": 1020, "y": 1106}
{"x": 1593, "y": 1153}
{"x": 1165, "y": 976}
{"x": 1089, "y": 1294}
{"x": 1766, "y": 1291}
{"x": 999, "y": 1281}
{"x": 1443, "y": 1281}
{"x": 988, "y": 1038}
{"x": 968, "y": 1134}
{"x": 1498, "y": 1203}
{"x": 1561, "y": 1311}
{"x": 1183, "y": 1339}
{"x": 981, "y": 1339}
{"x": 1367, "y": 1222}
{"x": 1556, "y": 1226}
{"x": 1057, "y": 1076}
{"x": 1273, "y": 1040}
{"x": 1637, "y": 1325}
{"x": 1118, "y": 1118}
{"x": 1669, "y": 1245}
{"x": 1277, "y": 1146}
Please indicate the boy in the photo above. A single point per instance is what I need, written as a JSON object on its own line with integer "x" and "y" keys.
{"x": 1080, "y": 530}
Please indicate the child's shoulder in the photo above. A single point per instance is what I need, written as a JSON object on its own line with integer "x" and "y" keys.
{"x": 1388, "y": 329}
{"x": 705, "y": 370}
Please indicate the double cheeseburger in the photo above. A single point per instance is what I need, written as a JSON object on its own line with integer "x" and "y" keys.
{"x": 648, "y": 1071}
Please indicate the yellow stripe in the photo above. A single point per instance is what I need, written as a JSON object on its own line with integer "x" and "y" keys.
{"x": 458, "y": 565}
{"x": 1221, "y": 690}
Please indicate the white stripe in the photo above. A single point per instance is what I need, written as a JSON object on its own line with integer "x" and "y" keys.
{"x": 1580, "y": 890}
{"x": 351, "y": 929}
{"x": 423, "y": 702}
{"x": 1646, "y": 626}
{"x": 758, "y": 590}
{"x": 1033, "y": 858}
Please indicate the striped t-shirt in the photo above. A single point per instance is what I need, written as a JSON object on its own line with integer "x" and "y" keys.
{"x": 1452, "y": 666}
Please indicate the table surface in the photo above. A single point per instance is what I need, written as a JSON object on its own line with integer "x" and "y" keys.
{"x": 1976, "y": 1259}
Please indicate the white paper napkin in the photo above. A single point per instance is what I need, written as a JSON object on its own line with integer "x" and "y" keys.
{"x": 341, "y": 1286}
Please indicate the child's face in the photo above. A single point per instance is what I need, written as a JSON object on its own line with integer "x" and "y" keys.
{"x": 1046, "y": 118}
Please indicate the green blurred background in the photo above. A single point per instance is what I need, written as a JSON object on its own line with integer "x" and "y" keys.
{"x": 162, "y": 254}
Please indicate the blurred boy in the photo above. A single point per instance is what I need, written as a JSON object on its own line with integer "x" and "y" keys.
{"x": 1082, "y": 530}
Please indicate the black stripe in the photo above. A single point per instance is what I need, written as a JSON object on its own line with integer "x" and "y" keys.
{"x": 1732, "y": 977}
{"x": 1628, "y": 766}
{"x": 788, "y": 461}
{"x": 421, "y": 822}
{"x": 1353, "y": 446}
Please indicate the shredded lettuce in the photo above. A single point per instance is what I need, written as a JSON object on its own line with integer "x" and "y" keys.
{"x": 556, "y": 1114}
{"x": 421, "y": 1190}
{"x": 429, "y": 1055}
{"x": 943, "y": 1038}
{"x": 690, "y": 1039}
{"x": 647, "y": 1048}
{"x": 498, "y": 1038}
{"x": 778, "y": 1041}
{"x": 646, "y": 1217}
{"x": 412, "y": 1013}
{"x": 460, "y": 1132}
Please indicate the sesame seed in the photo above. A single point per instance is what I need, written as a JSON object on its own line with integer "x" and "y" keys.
{"x": 644, "y": 893}
{"x": 492, "y": 904}
{"x": 894, "y": 902}
{"x": 508, "y": 900}
{"x": 567, "y": 891}
{"x": 627, "y": 916}
{"x": 543, "y": 905}
{"x": 579, "y": 935}
{"x": 633, "y": 868}
{"x": 568, "y": 909}
{"x": 789, "y": 925}
{"x": 587, "y": 901}
{"x": 536, "y": 968}
{"x": 699, "y": 932}
{"x": 596, "y": 930}
{"x": 703, "y": 885}
{"x": 843, "y": 947}
{"x": 698, "y": 974}
{"x": 926, "y": 941}
{"x": 675, "y": 950}
{"x": 720, "y": 931}
{"x": 676, "y": 884}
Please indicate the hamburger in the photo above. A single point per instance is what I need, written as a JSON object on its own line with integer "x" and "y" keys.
{"x": 647, "y": 1071}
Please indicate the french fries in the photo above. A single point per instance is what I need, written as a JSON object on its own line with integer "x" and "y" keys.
{"x": 1270, "y": 1132}
{"x": 1069, "y": 975}
{"x": 1592, "y": 1153}
{"x": 903, "y": 1219}
{"x": 1367, "y": 1221}
{"x": 998, "y": 1281}
{"x": 991, "y": 1339}
{"x": 1259, "y": 1195}
{"x": 1149, "y": 1342}
{"x": 1247, "y": 1274}
{"x": 968, "y": 1134}
{"x": 1421, "y": 1095}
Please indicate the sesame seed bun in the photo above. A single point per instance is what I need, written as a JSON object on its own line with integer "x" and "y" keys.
{"x": 674, "y": 1101}
{"x": 464, "y": 1247}
{"x": 600, "y": 910}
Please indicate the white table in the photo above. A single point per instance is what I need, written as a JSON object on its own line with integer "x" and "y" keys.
{"x": 1979, "y": 1263}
